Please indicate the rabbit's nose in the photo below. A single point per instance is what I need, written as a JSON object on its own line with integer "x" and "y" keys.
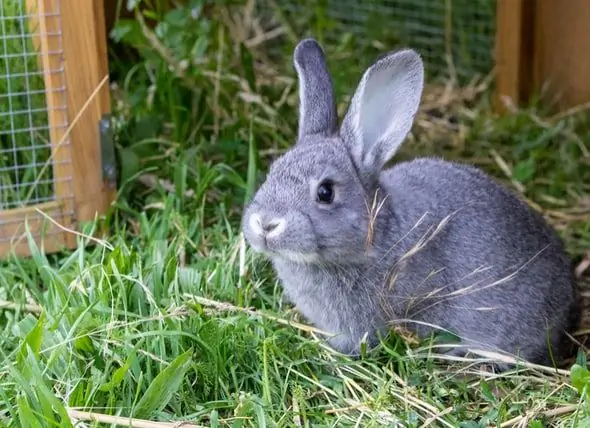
{"x": 268, "y": 226}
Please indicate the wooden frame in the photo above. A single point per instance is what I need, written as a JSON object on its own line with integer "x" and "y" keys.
{"x": 541, "y": 50}
{"x": 561, "y": 61}
{"x": 511, "y": 47}
{"x": 74, "y": 42}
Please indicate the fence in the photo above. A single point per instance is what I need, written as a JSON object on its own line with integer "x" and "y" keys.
{"x": 455, "y": 37}
{"x": 53, "y": 94}
{"x": 532, "y": 47}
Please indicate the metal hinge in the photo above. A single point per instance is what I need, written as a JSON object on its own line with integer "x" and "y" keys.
{"x": 107, "y": 151}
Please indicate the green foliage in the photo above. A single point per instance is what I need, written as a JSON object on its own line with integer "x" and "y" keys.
{"x": 169, "y": 320}
{"x": 192, "y": 97}
{"x": 581, "y": 379}
{"x": 163, "y": 387}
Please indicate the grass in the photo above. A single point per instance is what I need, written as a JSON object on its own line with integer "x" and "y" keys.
{"x": 171, "y": 318}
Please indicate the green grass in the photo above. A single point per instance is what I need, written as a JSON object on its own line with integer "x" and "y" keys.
{"x": 168, "y": 319}
{"x": 23, "y": 119}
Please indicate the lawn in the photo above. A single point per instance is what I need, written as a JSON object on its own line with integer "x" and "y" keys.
{"x": 172, "y": 318}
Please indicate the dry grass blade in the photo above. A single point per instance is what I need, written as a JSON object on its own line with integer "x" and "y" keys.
{"x": 436, "y": 417}
{"x": 583, "y": 265}
{"x": 28, "y": 307}
{"x": 507, "y": 171}
{"x": 442, "y": 105}
{"x": 100, "y": 242}
{"x": 373, "y": 211}
{"x": 228, "y": 307}
{"x": 495, "y": 356}
{"x": 77, "y": 415}
{"x": 548, "y": 124}
{"x": 580, "y": 108}
{"x": 152, "y": 181}
{"x": 64, "y": 138}
{"x": 522, "y": 420}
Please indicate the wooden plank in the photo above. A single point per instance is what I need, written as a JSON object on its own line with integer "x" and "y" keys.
{"x": 562, "y": 41}
{"x": 513, "y": 50}
{"x": 48, "y": 236}
{"x": 86, "y": 66}
{"x": 46, "y": 24}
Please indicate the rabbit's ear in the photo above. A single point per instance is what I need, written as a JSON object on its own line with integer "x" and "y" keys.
{"x": 317, "y": 109}
{"x": 383, "y": 107}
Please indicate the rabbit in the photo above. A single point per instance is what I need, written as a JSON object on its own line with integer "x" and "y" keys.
{"x": 427, "y": 244}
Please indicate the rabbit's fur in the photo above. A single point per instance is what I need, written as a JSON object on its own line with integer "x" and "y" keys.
{"x": 430, "y": 243}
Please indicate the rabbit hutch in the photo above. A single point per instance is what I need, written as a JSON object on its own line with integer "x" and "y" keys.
{"x": 55, "y": 158}
{"x": 524, "y": 47}
{"x": 57, "y": 165}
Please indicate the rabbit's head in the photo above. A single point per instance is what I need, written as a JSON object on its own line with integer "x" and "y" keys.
{"x": 314, "y": 204}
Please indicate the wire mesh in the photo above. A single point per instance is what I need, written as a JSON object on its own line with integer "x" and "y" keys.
{"x": 26, "y": 168}
{"x": 455, "y": 37}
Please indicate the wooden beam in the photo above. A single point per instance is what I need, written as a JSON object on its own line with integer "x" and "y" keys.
{"x": 45, "y": 23}
{"x": 86, "y": 66}
{"x": 562, "y": 41}
{"x": 513, "y": 51}
{"x": 48, "y": 235}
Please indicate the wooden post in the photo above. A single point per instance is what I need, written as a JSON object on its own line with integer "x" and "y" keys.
{"x": 561, "y": 59}
{"x": 541, "y": 49}
{"x": 86, "y": 66}
{"x": 513, "y": 50}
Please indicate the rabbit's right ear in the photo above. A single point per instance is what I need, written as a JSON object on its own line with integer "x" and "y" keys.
{"x": 382, "y": 110}
{"x": 317, "y": 107}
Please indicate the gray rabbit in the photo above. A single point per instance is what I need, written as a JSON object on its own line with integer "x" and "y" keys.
{"x": 427, "y": 243}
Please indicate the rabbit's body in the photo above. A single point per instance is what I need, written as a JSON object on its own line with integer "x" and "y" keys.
{"x": 475, "y": 299}
{"x": 427, "y": 243}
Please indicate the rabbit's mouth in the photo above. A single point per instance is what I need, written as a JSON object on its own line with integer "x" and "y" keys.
{"x": 301, "y": 257}
{"x": 297, "y": 257}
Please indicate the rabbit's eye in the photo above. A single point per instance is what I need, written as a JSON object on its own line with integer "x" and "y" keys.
{"x": 326, "y": 192}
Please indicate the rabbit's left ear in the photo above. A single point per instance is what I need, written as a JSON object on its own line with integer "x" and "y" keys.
{"x": 317, "y": 107}
{"x": 383, "y": 108}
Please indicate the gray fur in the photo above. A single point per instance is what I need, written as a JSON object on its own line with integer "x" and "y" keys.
{"x": 449, "y": 247}
{"x": 317, "y": 105}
